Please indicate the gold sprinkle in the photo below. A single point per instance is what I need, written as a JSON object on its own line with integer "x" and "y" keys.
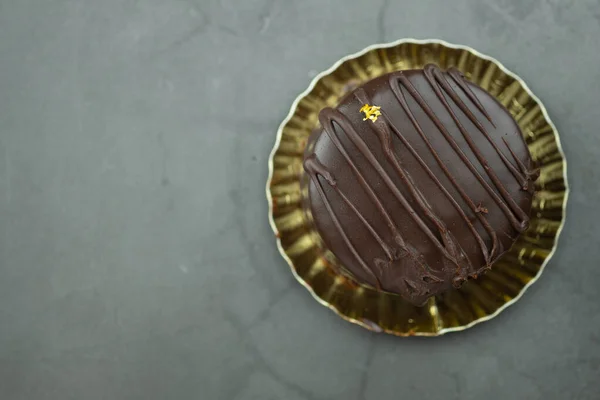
{"x": 371, "y": 112}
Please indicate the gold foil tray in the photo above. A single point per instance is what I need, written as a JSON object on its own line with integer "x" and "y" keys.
{"x": 478, "y": 300}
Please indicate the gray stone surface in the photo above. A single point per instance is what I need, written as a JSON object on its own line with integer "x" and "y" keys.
{"x": 136, "y": 261}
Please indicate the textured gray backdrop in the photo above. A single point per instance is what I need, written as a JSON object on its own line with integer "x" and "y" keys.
{"x": 136, "y": 261}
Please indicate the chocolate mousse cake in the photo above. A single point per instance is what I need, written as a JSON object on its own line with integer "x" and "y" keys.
{"x": 417, "y": 181}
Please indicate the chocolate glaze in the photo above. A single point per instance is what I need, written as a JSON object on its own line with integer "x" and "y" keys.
{"x": 431, "y": 193}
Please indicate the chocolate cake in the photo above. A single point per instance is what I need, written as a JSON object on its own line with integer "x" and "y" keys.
{"x": 417, "y": 181}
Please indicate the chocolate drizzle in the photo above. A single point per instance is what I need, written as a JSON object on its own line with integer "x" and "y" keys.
{"x": 439, "y": 82}
{"x": 430, "y": 249}
{"x": 488, "y": 255}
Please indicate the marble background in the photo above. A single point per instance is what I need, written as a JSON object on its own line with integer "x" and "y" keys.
{"x": 136, "y": 260}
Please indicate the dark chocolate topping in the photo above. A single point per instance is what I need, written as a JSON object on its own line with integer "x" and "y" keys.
{"x": 430, "y": 191}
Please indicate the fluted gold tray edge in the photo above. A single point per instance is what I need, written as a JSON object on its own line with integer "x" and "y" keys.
{"x": 308, "y": 90}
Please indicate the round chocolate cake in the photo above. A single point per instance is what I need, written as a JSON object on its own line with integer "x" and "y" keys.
{"x": 417, "y": 181}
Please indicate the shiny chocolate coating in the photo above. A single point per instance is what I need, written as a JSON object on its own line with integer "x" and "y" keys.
{"x": 417, "y": 181}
